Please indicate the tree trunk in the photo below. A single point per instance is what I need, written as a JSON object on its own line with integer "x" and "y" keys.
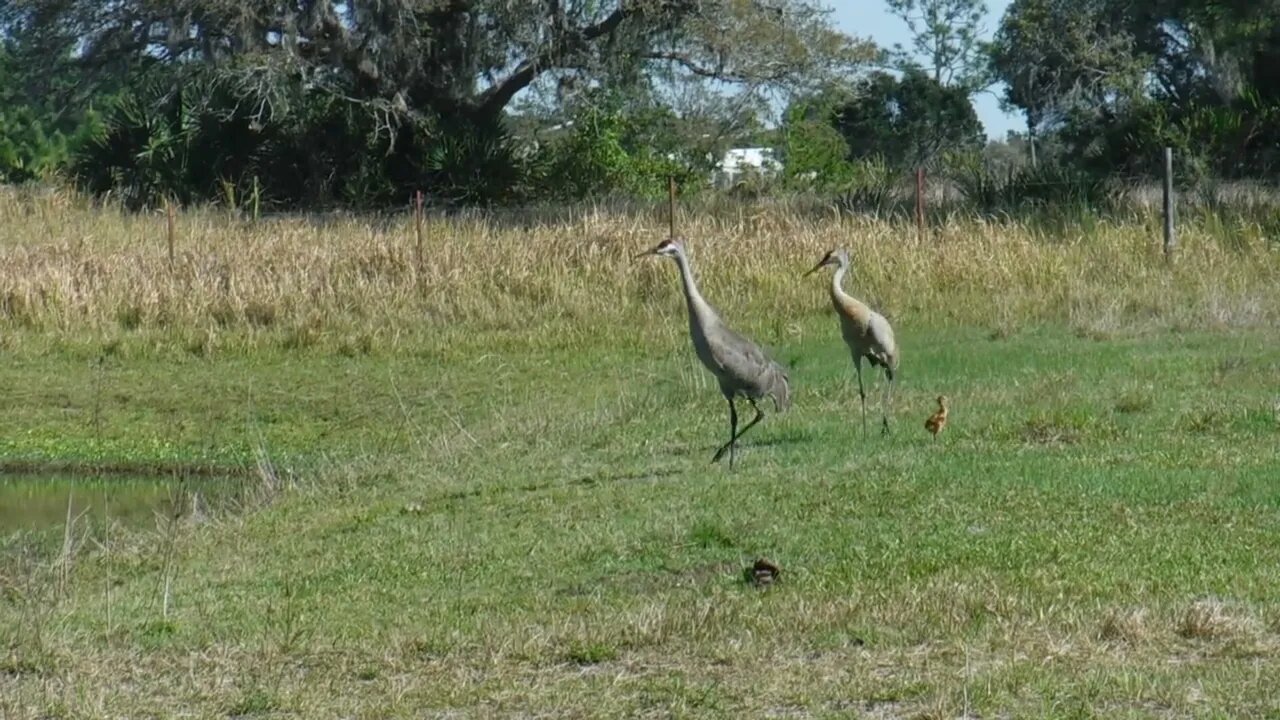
{"x": 1031, "y": 139}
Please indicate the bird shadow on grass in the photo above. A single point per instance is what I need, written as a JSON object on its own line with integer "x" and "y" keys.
{"x": 594, "y": 479}
{"x": 778, "y": 439}
{"x": 625, "y": 476}
{"x": 697, "y": 451}
{"x": 655, "y": 580}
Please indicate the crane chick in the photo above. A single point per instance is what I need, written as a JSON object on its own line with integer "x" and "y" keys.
{"x": 740, "y": 366}
{"x": 938, "y": 420}
{"x": 865, "y": 331}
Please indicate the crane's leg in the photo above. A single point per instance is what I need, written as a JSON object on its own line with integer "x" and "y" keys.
{"x": 862, "y": 392}
{"x": 733, "y": 418}
{"x": 888, "y": 399}
{"x": 733, "y": 434}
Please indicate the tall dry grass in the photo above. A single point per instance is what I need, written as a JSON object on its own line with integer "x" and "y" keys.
{"x": 82, "y": 273}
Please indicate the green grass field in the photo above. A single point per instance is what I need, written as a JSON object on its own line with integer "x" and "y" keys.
{"x": 489, "y": 520}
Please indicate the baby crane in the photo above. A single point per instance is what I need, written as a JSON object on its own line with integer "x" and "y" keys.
{"x": 740, "y": 366}
{"x": 938, "y": 420}
{"x": 865, "y": 331}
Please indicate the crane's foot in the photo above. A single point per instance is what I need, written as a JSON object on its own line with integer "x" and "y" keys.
{"x": 720, "y": 453}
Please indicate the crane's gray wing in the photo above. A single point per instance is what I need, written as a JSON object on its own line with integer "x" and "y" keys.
{"x": 746, "y": 368}
{"x": 883, "y": 345}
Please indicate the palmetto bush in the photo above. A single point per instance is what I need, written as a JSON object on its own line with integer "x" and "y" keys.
{"x": 994, "y": 190}
{"x": 207, "y": 138}
{"x": 167, "y": 139}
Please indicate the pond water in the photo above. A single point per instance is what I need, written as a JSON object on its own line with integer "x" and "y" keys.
{"x": 40, "y": 503}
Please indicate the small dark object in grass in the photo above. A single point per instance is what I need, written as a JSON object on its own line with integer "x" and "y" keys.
{"x": 762, "y": 573}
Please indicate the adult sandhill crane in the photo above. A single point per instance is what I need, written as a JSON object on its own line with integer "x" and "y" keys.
{"x": 865, "y": 331}
{"x": 937, "y": 421}
{"x": 740, "y": 366}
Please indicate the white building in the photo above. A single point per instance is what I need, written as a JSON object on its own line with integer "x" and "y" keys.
{"x": 739, "y": 162}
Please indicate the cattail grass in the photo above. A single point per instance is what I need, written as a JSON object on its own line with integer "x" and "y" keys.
{"x": 70, "y": 269}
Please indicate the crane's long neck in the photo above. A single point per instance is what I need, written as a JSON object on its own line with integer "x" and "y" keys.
{"x": 700, "y": 313}
{"x": 837, "y": 282}
{"x": 841, "y": 298}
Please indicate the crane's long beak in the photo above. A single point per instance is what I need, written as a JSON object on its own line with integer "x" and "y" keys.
{"x": 651, "y": 251}
{"x": 815, "y": 269}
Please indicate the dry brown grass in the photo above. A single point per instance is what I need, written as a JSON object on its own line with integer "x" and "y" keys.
{"x": 353, "y": 282}
{"x": 1214, "y": 619}
{"x": 1129, "y": 625}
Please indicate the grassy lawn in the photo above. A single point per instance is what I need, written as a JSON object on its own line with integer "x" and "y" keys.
{"x": 537, "y": 531}
{"x": 478, "y": 478}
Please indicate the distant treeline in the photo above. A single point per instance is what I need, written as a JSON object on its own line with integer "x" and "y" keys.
{"x": 321, "y": 104}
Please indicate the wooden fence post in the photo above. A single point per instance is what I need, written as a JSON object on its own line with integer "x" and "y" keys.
{"x": 920, "y": 203}
{"x": 671, "y": 203}
{"x": 169, "y": 222}
{"x": 1170, "y": 239}
{"x": 417, "y": 232}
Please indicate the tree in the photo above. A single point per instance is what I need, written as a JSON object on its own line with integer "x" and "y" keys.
{"x": 681, "y": 119}
{"x": 1008, "y": 154}
{"x": 606, "y": 149}
{"x": 814, "y": 153}
{"x": 36, "y": 131}
{"x": 946, "y": 40}
{"x": 445, "y": 58}
{"x": 1201, "y": 46}
{"x": 1065, "y": 60}
{"x": 432, "y": 80}
{"x": 1116, "y": 80}
{"x": 909, "y": 121}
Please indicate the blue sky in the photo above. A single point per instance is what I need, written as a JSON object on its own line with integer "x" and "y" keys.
{"x": 869, "y": 19}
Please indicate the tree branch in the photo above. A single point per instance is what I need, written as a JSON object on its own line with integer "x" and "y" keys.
{"x": 496, "y": 97}
{"x": 689, "y": 64}
{"x": 774, "y": 73}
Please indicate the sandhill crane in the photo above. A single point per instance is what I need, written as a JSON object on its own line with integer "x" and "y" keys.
{"x": 739, "y": 365}
{"x": 865, "y": 331}
{"x": 937, "y": 421}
